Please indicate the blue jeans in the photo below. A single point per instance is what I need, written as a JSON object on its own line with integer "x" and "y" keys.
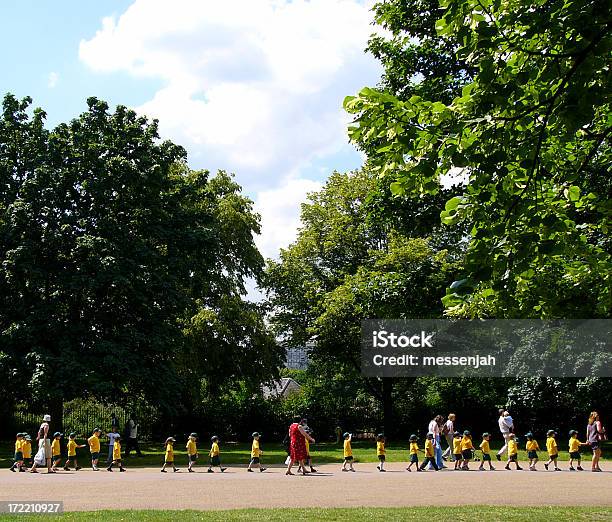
{"x": 110, "y": 454}
{"x": 438, "y": 452}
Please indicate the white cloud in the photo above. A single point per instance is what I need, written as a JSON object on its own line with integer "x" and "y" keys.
{"x": 280, "y": 213}
{"x": 251, "y": 86}
{"x": 52, "y": 80}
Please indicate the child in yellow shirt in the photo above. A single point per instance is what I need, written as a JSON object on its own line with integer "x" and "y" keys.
{"x": 72, "y": 447}
{"x": 574, "y": 450}
{"x": 553, "y": 451}
{"x": 414, "y": 452}
{"x": 116, "y": 454}
{"x": 380, "y": 451}
{"x": 94, "y": 447}
{"x": 215, "y": 459}
{"x": 532, "y": 448}
{"x": 457, "y": 450}
{"x": 26, "y": 448}
{"x": 169, "y": 456}
{"x": 56, "y": 450}
{"x": 348, "y": 452}
{"x": 192, "y": 451}
{"x": 486, "y": 452}
{"x": 308, "y": 460}
{"x": 18, "y": 460}
{"x": 256, "y": 453}
{"x": 429, "y": 453}
{"x": 466, "y": 450}
{"x": 512, "y": 452}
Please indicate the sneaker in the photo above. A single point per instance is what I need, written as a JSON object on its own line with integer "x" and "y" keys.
{"x": 491, "y": 468}
{"x": 77, "y": 468}
{"x": 190, "y": 470}
{"x": 13, "y": 469}
{"x": 382, "y": 470}
{"x": 378, "y": 468}
{"x": 95, "y": 468}
{"x": 580, "y": 468}
{"x": 210, "y": 471}
{"x": 481, "y": 468}
{"x": 250, "y": 470}
{"x": 498, "y": 457}
{"x": 508, "y": 468}
{"x": 557, "y": 469}
{"x": 354, "y": 470}
{"x": 261, "y": 470}
{"x": 519, "y": 468}
{"x": 312, "y": 470}
{"x": 108, "y": 469}
{"x": 571, "y": 468}
{"x": 343, "y": 469}
{"x": 122, "y": 470}
{"x": 408, "y": 469}
{"x": 66, "y": 469}
{"x": 223, "y": 469}
{"x": 176, "y": 470}
{"x": 163, "y": 471}
{"x": 546, "y": 466}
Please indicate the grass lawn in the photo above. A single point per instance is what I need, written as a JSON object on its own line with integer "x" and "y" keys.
{"x": 467, "y": 513}
{"x": 239, "y": 453}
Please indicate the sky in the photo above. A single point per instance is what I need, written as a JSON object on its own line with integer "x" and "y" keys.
{"x": 254, "y": 87}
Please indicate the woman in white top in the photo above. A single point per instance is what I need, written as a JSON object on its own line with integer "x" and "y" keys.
{"x": 44, "y": 444}
{"x": 447, "y": 430}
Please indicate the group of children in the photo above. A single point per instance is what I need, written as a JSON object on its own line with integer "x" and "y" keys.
{"x": 463, "y": 452}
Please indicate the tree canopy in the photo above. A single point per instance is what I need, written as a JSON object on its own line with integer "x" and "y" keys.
{"x": 112, "y": 254}
{"x": 529, "y": 133}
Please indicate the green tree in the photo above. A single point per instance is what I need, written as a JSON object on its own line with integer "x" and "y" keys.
{"x": 345, "y": 267}
{"x": 109, "y": 247}
{"x": 530, "y": 134}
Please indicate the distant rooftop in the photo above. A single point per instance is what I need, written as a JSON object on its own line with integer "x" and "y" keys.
{"x": 284, "y": 387}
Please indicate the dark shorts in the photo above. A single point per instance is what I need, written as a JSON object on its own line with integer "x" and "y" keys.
{"x": 575, "y": 455}
{"x": 532, "y": 454}
{"x": 193, "y": 458}
{"x": 57, "y": 458}
{"x": 215, "y": 461}
{"x": 95, "y": 455}
{"x": 18, "y": 456}
{"x": 458, "y": 456}
{"x": 554, "y": 457}
{"x": 381, "y": 458}
{"x": 414, "y": 458}
{"x": 466, "y": 454}
{"x": 486, "y": 457}
{"x": 594, "y": 445}
{"x": 512, "y": 458}
{"x": 348, "y": 459}
{"x": 170, "y": 462}
{"x": 254, "y": 460}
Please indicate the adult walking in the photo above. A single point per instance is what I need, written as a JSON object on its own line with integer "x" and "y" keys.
{"x": 447, "y": 430}
{"x": 131, "y": 433}
{"x": 297, "y": 445}
{"x": 434, "y": 427}
{"x": 506, "y": 427}
{"x": 594, "y": 435}
{"x": 44, "y": 445}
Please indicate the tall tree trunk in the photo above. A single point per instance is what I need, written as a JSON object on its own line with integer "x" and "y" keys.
{"x": 387, "y": 399}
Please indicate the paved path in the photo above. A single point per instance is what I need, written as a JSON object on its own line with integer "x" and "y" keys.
{"x": 147, "y": 488}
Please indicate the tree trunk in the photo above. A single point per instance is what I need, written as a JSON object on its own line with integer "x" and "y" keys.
{"x": 56, "y": 410}
{"x": 387, "y": 389}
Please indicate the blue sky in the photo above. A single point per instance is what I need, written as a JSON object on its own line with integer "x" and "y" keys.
{"x": 251, "y": 86}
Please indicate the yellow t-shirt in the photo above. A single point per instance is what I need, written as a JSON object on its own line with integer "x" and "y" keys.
{"x": 466, "y": 443}
{"x": 72, "y": 448}
{"x": 512, "y": 447}
{"x": 551, "y": 446}
{"x": 429, "y": 448}
{"x": 256, "y": 452}
{"x": 55, "y": 448}
{"x": 414, "y": 448}
{"x": 117, "y": 450}
{"x": 307, "y": 446}
{"x": 169, "y": 452}
{"x": 26, "y": 447}
{"x": 574, "y": 444}
{"x": 214, "y": 450}
{"x": 457, "y": 446}
{"x": 532, "y": 445}
{"x": 484, "y": 447}
{"x": 94, "y": 444}
{"x": 380, "y": 448}
{"x": 192, "y": 449}
{"x": 348, "y": 451}
{"x": 18, "y": 445}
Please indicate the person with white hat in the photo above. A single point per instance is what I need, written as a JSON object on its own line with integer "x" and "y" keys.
{"x": 44, "y": 446}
